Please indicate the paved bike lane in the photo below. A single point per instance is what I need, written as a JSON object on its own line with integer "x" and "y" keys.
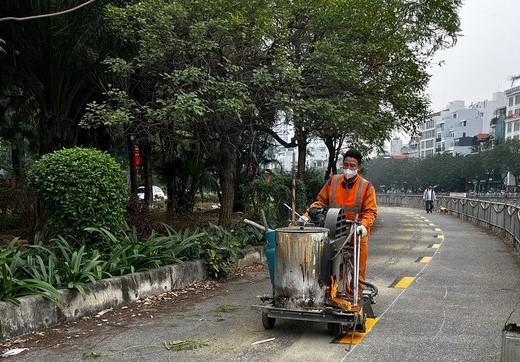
{"x": 457, "y": 302}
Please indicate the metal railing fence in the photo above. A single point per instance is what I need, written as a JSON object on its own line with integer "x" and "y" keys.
{"x": 500, "y": 218}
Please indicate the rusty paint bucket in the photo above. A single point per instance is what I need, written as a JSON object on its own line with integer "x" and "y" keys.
{"x": 510, "y": 343}
{"x": 299, "y": 267}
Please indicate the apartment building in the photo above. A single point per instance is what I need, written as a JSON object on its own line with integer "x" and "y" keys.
{"x": 497, "y": 127}
{"x": 411, "y": 150}
{"x": 459, "y": 128}
{"x": 427, "y": 136}
{"x": 512, "y": 121}
{"x": 453, "y": 129}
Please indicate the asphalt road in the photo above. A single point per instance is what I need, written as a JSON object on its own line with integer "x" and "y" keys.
{"x": 464, "y": 285}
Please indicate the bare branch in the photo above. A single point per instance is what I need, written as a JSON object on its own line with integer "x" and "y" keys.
{"x": 47, "y": 15}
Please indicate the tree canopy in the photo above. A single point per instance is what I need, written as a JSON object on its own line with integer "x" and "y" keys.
{"x": 480, "y": 172}
{"x": 198, "y": 78}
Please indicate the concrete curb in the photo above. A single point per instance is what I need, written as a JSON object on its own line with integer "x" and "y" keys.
{"x": 36, "y": 313}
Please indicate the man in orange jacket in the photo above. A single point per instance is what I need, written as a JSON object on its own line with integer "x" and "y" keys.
{"x": 356, "y": 195}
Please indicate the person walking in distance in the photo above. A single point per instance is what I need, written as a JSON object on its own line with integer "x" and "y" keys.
{"x": 429, "y": 198}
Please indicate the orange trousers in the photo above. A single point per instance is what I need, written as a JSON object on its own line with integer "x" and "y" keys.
{"x": 363, "y": 256}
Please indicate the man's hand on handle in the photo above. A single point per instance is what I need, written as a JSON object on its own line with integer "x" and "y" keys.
{"x": 361, "y": 230}
{"x": 303, "y": 220}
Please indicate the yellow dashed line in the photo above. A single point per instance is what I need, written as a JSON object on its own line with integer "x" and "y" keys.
{"x": 439, "y": 236}
{"x": 370, "y": 322}
{"x": 425, "y": 259}
{"x": 435, "y": 246}
{"x": 437, "y": 229}
{"x": 404, "y": 283}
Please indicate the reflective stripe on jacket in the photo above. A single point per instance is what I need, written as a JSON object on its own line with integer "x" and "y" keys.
{"x": 356, "y": 197}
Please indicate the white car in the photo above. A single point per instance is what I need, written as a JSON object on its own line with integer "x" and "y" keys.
{"x": 157, "y": 192}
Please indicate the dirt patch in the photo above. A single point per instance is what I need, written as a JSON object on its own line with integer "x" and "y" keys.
{"x": 114, "y": 318}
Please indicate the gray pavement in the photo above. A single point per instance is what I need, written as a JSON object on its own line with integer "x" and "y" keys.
{"x": 458, "y": 303}
{"x": 454, "y": 309}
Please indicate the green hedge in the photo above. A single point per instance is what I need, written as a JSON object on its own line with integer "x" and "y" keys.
{"x": 80, "y": 188}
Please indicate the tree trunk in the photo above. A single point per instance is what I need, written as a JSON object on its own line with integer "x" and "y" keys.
{"x": 56, "y": 133}
{"x": 18, "y": 163}
{"x": 331, "y": 163}
{"x": 227, "y": 180}
{"x": 301, "y": 139}
{"x": 147, "y": 174}
{"x": 167, "y": 152}
{"x": 133, "y": 173}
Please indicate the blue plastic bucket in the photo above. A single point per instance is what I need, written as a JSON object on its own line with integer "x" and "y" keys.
{"x": 270, "y": 237}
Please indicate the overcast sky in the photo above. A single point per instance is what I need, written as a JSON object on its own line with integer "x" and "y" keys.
{"x": 484, "y": 58}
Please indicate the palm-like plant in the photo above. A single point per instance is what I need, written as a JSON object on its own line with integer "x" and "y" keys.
{"x": 129, "y": 254}
{"x": 15, "y": 282}
{"x": 55, "y": 61}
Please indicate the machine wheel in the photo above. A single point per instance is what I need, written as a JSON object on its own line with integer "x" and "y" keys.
{"x": 334, "y": 328}
{"x": 361, "y": 326}
{"x": 267, "y": 321}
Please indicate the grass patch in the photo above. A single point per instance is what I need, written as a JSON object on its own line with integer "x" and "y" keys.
{"x": 227, "y": 308}
{"x": 184, "y": 345}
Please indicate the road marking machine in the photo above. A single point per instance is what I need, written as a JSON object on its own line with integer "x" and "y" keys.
{"x": 314, "y": 271}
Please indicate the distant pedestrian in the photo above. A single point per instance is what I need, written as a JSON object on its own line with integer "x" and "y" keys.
{"x": 429, "y": 198}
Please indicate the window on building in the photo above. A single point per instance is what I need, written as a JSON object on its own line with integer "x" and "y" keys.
{"x": 517, "y": 99}
{"x": 509, "y": 127}
{"x": 463, "y": 134}
{"x": 510, "y": 101}
{"x": 463, "y": 123}
{"x": 454, "y": 115}
{"x": 517, "y": 126}
{"x": 429, "y": 124}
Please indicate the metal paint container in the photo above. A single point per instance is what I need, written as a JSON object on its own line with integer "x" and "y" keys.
{"x": 299, "y": 266}
{"x": 510, "y": 343}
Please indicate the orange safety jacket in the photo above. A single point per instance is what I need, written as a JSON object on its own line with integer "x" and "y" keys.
{"x": 356, "y": 196}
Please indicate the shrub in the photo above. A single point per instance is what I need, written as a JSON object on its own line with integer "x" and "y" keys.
{"x": 130, "y": 254}
{"x": 314, "y": 181}
{"x": 220, "y": 248}
{"x": 271, "y": 197}
{"x": 37, "y": 269}
{"x": 80, "y": 188}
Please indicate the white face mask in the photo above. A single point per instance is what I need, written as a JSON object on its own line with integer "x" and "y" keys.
{"x": 349, "y": 173}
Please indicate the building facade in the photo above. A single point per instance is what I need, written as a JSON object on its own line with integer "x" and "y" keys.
{"x": 512, "y": 121}
{"x": 453, "y": 130}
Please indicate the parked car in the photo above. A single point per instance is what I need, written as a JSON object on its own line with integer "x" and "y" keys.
{"x": 157, "y": 193}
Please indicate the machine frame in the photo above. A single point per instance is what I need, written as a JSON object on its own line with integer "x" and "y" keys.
{"x": 341, "y": 256}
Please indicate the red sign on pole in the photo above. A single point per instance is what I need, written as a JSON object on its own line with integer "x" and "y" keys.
{"x": 137, "y": 156}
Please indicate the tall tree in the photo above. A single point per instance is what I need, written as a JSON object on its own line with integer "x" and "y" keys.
{"x": 55, "y": 62}
{"x": 193, "y": 69}
{"x": 361, "y": 66}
